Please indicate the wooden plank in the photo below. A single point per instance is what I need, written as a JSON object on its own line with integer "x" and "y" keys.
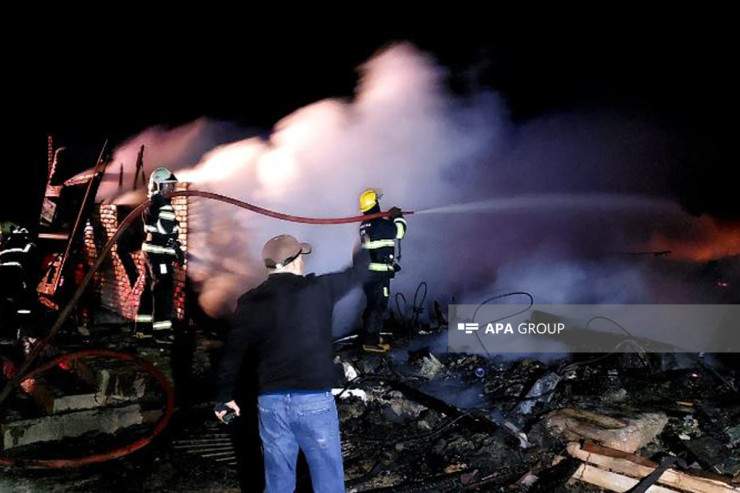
{"x": 612, "y": 481}
{"x": 595, "y": 448}
{"x": 671, "y": 477}
{"x": 590, "y": 446}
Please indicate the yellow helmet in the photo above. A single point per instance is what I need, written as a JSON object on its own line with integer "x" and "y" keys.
{"x": 369, "y": 199}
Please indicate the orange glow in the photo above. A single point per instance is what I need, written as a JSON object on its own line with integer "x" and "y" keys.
{"x": 9, "y": 370}
{"x": 28, "y": 385}
{"x": 709, "y": 240}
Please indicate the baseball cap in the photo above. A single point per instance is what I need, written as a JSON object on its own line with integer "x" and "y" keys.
{"x": 281, "y": 250}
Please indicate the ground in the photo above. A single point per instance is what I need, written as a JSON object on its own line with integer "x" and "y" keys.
{"x": 418, "y": 421}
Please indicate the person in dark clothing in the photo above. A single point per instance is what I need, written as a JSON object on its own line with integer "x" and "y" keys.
{"x": 161, "y": 248}
{"x": 287, "y": 322}
{"x": 379, "y": 236}
{"x": 245, "y": 430}
{"x": 156, "y": 315}
{"x": 18, "y": 277}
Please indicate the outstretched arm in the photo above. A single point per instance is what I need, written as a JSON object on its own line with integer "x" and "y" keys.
{"x": 340, "y": 283}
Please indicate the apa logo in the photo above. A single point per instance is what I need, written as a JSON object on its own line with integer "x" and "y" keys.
{"x": 468, "y": 328}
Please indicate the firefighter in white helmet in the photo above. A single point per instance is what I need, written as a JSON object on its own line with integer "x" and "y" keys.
{"x": 161, "y": 249}
{"x": 379, "y": 236}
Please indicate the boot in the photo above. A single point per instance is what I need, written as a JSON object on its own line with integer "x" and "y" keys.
{"x": 380, "y": 347}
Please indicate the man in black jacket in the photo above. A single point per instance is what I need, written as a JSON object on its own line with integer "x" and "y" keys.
{"x": 286, "y": 321}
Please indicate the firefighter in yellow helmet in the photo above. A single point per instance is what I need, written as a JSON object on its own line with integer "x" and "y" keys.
{"x": 161, "y": 249}
{"x": 379, "y": 237}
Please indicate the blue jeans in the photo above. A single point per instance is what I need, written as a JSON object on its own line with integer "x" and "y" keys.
{"x": 306, "y": 420}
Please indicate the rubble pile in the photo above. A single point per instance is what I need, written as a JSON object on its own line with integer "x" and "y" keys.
{"x": 87, "y": 398}
{"x": 418, "y": 421}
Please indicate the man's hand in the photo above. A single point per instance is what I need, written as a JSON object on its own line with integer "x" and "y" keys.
{"x": 222, "y": 409}
{"x": 395, "y": 212}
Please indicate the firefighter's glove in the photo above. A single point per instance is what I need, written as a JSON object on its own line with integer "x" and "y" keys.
{"x": 395, "y": 212}
{"x": 179, "y": 254}
{"x": 173, "y": 243}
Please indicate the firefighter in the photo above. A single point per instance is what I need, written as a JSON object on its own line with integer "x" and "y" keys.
{"x": 161, "y": 249}
{"x": 17, "y": 275}
{"x": 379, "y": 236}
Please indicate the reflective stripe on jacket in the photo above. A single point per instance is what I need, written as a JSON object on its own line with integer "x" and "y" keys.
{"x": 161, "y": 227}
{"x": 379, "y": 237}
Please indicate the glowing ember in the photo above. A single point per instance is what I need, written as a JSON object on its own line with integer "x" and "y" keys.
{"x": 9, "y": 370}
{"x": 28, "y": 385}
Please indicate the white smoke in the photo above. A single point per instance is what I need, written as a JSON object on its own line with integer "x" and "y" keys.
{"x": 405, "y": 133}
{"x": 401, "y": 133}
{"x": 173, "y": 148}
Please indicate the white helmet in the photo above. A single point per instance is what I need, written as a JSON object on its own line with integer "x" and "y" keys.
{"x": 161, "y": 181}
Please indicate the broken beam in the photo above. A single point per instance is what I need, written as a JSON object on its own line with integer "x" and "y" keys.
{"x": 633, "y": 466}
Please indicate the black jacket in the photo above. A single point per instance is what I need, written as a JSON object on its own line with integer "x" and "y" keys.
{"x": 379, "y": 237}
{"x": 286, "y": 323}
{"x": 161, "y": 228}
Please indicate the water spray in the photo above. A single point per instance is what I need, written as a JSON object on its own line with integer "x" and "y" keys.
{"x": 592, "y": 201}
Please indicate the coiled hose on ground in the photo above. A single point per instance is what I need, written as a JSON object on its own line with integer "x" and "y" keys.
{"x": 118, "y": 452}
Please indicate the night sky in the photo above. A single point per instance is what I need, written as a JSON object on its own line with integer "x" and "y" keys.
{"x": 84, "y": 83}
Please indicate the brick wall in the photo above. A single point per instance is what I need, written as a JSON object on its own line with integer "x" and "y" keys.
{"x": 111, "y": 283}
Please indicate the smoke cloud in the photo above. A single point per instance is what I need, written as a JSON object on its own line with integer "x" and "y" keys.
{"x": 174, "y": 148}
{"x": 406, "y": 133}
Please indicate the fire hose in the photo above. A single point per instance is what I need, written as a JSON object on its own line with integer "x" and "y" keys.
{"x": 23, "y": 372}
{"x": 280, "y": 215}
{"x": 118, "y": 452}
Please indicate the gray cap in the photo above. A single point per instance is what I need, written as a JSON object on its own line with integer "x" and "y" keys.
{"x": 282, "y": 250}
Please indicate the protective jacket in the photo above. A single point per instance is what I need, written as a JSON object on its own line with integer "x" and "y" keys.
{"x": 379, "y": 238}
{"x": 18, "y": 252}
{"x": 161, "y": 249}
{"x": 17, "y": 261}
{"x": 161, "y": 228}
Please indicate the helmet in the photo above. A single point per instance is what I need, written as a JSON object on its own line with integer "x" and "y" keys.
{"x": 161, "y": 181}
{"x": 20, "y": 233}
{"x": 18, "y": 237}
{"x": 370, "y": 198}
